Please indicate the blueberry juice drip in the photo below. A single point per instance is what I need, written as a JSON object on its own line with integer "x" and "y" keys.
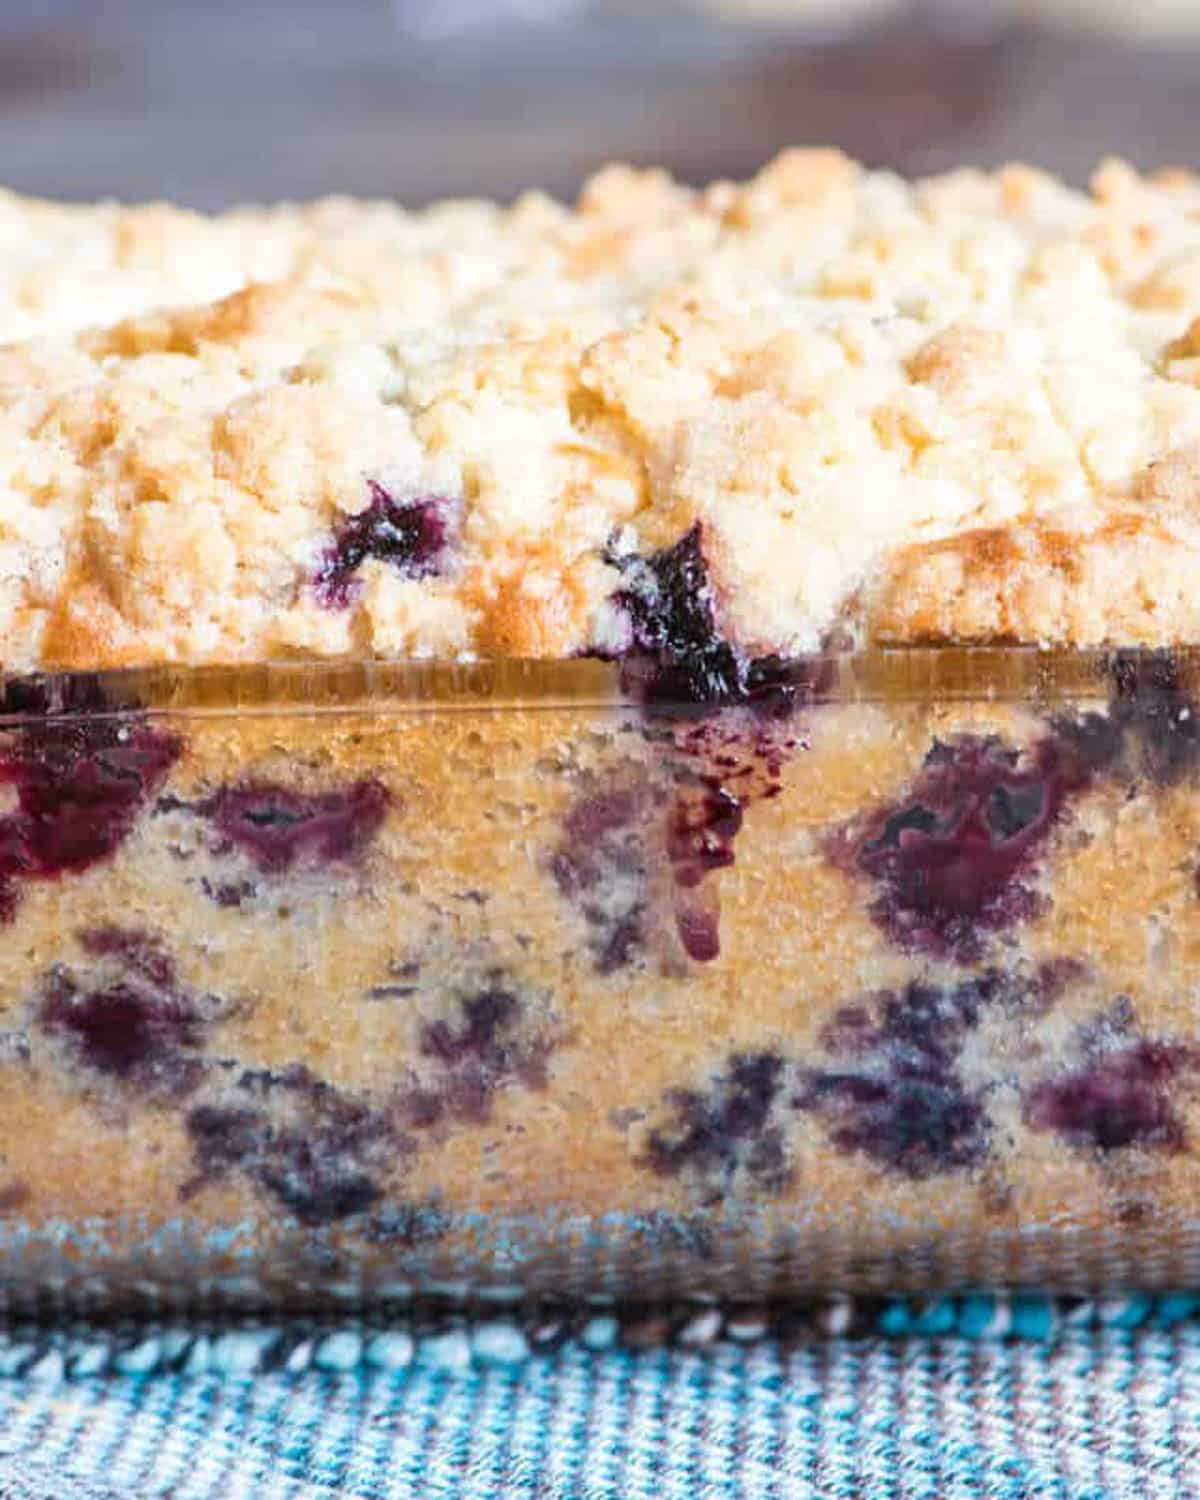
{"x": 725, "y": 765}
{"x": 723, "y": 714}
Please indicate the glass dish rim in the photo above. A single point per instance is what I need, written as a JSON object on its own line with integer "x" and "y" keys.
{"x": 877, "y": 674}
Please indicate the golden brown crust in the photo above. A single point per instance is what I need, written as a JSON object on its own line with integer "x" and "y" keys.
{"x": 1039, "y": 584}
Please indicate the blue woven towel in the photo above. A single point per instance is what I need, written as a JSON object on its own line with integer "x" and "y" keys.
{"x": 1098, "y": 1411}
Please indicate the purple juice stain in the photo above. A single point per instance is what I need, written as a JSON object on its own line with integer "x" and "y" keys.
{"x": 278, "y": 828}
{"x": 1052, "y": 979}
{"x": 699, "y": 928}
{"x": 80, "y": 784}
{"x": 600, "y": 865}
{"x": 612, "y": 835}
{"x": 307, "y": 1144}
{"x": 680, "y": 666}
{"x": 411, "y": 536}
{"x": 727, "y": 1131}
{"x": 129, "y": 1018}
{"x": 702, "y": 824}
{"x": 701, "y": 831}
{"x": 1115, "y": 1099}
{"x": 893, "y": 1090}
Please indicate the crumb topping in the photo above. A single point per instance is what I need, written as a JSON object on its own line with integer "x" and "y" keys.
{"x": 966, "y": 408}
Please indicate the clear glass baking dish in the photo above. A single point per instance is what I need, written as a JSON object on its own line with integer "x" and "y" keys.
{"x": 348, "y": 981}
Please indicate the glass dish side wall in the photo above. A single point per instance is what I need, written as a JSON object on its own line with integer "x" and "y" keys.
{"x": 500, "y": 982}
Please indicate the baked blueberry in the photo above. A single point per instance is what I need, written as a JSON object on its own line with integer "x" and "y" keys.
{"x": 411, "y": 536}
{"x": 80, "y": 784}
{"x": 952, "y": 857}
{"x": 488, "y": 1044}
{"x": 127, "y": 1015}
{"x": 677, "y": 654}
{"x": 600, "y": 864}
{"x": 279, "y": 827}
{"x": 1118, "y": 1096}
{"x": 893, "y": 1089}
{"x": 729, "y": 1131}
{"x": 308, "y": 1144}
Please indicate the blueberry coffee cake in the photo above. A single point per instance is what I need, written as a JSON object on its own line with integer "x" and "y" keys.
{"x": 562, "y": 749}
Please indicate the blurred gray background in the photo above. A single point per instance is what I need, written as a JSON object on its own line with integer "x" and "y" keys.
{"x": 213, "y": 103}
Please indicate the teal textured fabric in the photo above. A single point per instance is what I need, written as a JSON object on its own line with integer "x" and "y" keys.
{"x": 1094, "y": 1413}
